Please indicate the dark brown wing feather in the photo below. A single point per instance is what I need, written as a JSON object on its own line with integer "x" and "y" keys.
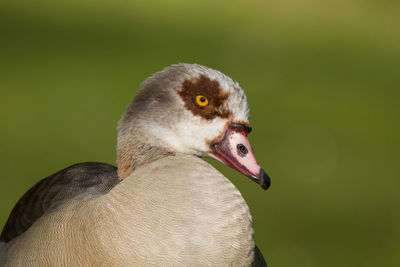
{"x": 259, "y": 260}
{"x": 89, "y": 177}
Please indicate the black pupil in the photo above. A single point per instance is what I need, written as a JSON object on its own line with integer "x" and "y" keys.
{"x": 242, "y": 150}
{"x": 203, "y": 99}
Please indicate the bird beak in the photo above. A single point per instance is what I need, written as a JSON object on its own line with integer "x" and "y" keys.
{"x": 234, "y": 150}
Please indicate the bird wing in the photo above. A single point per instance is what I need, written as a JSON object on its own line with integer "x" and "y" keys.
{"x": 259, "y": 260}
{"x": 49, "y": 193}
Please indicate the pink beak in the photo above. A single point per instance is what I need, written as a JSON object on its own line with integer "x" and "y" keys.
{"x": 234, "y": 149}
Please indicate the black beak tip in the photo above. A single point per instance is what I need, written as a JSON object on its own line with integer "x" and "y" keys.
{"x": 264, "y": 180}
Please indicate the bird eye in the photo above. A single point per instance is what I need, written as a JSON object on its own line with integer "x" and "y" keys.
{"x": 201, "y": 100}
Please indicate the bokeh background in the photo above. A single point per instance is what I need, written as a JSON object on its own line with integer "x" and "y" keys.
{"x": 322, "y": 80}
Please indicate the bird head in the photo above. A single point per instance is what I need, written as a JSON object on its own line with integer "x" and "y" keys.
{"x": 190, "y": 109}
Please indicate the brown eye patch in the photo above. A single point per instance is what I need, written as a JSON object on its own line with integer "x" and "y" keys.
{"x": 211, "y": 90}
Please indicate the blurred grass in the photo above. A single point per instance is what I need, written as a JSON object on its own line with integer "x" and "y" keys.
{"x": 322, "y": 79}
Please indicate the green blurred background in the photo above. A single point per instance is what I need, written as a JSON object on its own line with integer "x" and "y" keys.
{"x": 322, "y": 80}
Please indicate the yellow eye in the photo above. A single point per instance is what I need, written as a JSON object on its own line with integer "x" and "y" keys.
{"x": 201, "y": 100}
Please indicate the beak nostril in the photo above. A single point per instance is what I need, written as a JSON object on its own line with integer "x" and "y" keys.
{"x": 242, "y": 150}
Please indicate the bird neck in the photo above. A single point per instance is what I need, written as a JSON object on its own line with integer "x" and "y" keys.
{"x": 134, "y": 152}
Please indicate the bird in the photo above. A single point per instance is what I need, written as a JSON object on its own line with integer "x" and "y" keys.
{"x": 163, "y": 205}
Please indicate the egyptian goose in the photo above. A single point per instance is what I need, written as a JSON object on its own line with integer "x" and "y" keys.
{"x": 163, "y": 205}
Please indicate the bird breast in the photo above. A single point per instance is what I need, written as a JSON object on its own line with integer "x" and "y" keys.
{"x": 177, "y": 210}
